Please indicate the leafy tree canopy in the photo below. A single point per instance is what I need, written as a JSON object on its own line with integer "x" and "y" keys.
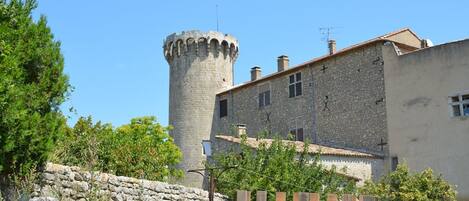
{"x": 276, "y": 168}
{"x": 401, "y": 185}
{"x": 32, "y": 87}
{"x": 141, "y": 149}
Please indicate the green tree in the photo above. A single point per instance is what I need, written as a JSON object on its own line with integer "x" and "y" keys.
{"x": 276, "y": 168}
{"x": 141, "y": 149}
{"x": 401, "y": 185}
{"x": 82, "y": 145}
{"x": 32, "y": 86}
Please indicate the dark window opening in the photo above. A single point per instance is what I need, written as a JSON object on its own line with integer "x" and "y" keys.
{"x": 223, "y": 108}
{"x": 298, "y": 134}
{"x": 264, "y": 99}
{"x": 394, "y": 163}
{"x": 292, "y": 79}
{"x": 295, "y": 87}
{"x": 298, "y": 89}
{"x": 465, "y": 109}
{"x": 291, "y": 91}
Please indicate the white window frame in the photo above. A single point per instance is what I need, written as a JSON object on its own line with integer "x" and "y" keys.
{"x": 460, "y": 102}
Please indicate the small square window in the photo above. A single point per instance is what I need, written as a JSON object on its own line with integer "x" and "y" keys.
{"x": 459, "y": 104}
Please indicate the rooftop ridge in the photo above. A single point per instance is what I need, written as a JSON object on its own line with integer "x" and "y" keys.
{"x": 312, "y": 148}
{"x": 323, "y": 57}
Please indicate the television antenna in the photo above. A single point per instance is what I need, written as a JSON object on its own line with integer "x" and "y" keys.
{"x": 327, "y": 32}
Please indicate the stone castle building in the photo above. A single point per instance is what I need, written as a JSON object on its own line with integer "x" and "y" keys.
{"x": 370, "y": 105}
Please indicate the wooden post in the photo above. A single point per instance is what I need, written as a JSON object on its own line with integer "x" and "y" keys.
{"x": 280, "y": 196}
{"x": 314, "y": 197}
{"x": 211, "y": 191}
{"x": 261, "y": 196}
{"x": 243, "y": 195}
{"x": 296, "y": 196}
{"x": 366, "y": 198}
{"x": 349, "y": 197}
{"x": 332, "y": 197}
{"x": 300, "y": 196}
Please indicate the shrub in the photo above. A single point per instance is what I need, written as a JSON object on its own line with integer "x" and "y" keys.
{"x": 402, "y": 185}
{"x": 276, "y": 168}
{"x": 141, "y": 149}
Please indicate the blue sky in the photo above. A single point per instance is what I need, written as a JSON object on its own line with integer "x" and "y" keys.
{"x": 113, "y": 48}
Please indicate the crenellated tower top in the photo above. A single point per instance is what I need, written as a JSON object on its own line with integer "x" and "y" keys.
{"x": 200, "y": 44}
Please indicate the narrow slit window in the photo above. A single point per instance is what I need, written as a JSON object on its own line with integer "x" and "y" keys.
{"x": 223, "y": 108}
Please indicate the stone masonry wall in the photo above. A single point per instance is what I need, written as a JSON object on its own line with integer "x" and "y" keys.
{"x": 201, "y": 64}
{"x": 353, "y": 88}
{"x": 342, "y": 105}
{"x": 70, "y": 183}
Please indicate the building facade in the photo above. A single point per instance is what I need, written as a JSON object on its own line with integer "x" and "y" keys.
{"x": 428, "y": 110}
{"x": 394, "y": 97}
{"x": 337, "y": 100}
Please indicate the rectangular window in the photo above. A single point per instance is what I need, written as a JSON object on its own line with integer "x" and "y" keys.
{"x": 394, "y": 163}
{"x": 295, "y": 87}
{"x": 264, "y": 99}
{"x": 459, "y": 105}
{"x": 223, "y": 108}
{"x": 297, "y": 134}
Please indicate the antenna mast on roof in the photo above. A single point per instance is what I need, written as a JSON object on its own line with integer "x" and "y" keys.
{"x": 326, "y": 32}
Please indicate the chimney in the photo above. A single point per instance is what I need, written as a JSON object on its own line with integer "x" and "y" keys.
{"x": 331, "y": 44}
{"x": 282, "y": 63}
{"x": 255, "y": 73}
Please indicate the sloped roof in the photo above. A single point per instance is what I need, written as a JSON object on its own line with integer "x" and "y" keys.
{"x": 383, "y": 38}
{"x": 312, "y": 148}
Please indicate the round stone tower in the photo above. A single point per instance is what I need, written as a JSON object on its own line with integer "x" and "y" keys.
{"x": 201, "y": 65}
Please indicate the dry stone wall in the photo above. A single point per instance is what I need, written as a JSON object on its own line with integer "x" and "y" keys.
{"x": 71, "y": 183}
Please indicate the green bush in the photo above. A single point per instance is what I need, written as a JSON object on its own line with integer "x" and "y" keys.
{"x": 401, "y": 185}
{"x": 141, "y": 149}
{"x": 276, "y": 168}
